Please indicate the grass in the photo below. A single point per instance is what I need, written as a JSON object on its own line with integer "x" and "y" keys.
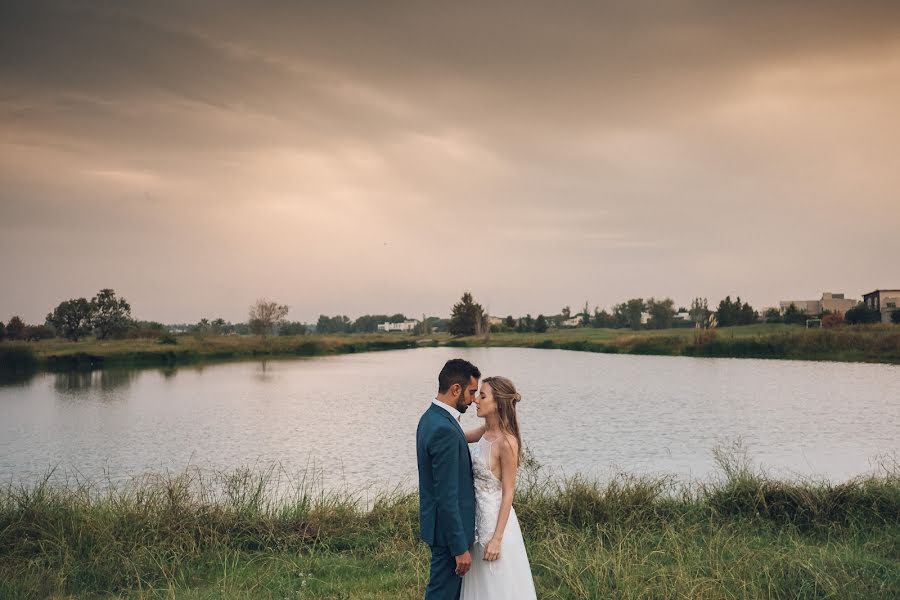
{"x": 61, "y": 354}
{"x": 875, "y": 343}
{"x": 264, "y": 535}
{"x": 878, "y": 343}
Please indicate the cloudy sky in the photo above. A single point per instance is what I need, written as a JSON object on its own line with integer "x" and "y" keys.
{"x": 350, "y": 158}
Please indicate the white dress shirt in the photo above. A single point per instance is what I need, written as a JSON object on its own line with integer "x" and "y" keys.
{"x": 453, "y": 412}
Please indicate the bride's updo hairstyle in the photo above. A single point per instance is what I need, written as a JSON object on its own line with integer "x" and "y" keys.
{"x": 506, "y": 397}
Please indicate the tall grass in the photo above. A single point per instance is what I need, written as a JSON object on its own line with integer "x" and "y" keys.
{"x": 262, "y": 534}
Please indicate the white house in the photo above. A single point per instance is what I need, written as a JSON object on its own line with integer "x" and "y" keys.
{"x": 575, "y": 321}
{"x": 405, "y": 326}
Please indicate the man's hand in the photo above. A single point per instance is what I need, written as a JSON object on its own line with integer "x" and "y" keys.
{"x": 463, "y": 563}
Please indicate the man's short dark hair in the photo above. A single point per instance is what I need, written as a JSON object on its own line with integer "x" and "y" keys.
{"x": 458, "y": 371}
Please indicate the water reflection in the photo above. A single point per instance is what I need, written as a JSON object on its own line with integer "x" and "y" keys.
{"x": 16, "y": 377}
{"x": 106, "y": 380}
{"x": 355, "y": 415}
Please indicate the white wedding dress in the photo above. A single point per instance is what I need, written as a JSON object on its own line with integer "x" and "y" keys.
{"x": 508, "y": 577}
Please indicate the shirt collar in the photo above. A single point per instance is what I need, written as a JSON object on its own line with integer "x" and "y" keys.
{"x": 453, "y": 412}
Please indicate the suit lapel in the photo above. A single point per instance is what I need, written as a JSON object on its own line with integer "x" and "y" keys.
{"x": 450, "y": 418}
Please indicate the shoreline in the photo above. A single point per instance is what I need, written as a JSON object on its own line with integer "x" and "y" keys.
{"x": 873, "y": 344}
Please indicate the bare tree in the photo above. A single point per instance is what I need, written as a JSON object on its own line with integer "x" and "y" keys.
{"x": 265, "y": 314}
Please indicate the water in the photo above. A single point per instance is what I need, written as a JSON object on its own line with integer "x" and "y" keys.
{"x": 352, "y": 418}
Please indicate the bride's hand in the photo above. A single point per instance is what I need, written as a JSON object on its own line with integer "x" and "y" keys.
{"x": 492, "y": 550}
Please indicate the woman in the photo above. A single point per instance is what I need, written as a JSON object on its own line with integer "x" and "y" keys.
{"x": 499, "y": 563}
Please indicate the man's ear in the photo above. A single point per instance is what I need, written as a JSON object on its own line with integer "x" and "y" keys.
{"x": 455, "y": 389}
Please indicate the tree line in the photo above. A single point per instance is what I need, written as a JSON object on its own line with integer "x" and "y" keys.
{"x": 107, "y": 316}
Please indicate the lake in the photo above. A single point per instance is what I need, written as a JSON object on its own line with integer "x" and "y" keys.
{"x": 351, "y": 419}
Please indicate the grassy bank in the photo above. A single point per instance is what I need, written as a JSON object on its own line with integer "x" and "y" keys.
{"x": 58, "y": 354}
{"x": 878, "y": 343}
{"x": 228, "y": 536}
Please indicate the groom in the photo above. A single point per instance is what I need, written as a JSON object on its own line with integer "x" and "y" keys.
{"x": 446, "y": 491}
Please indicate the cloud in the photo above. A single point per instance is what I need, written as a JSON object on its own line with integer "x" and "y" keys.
{"x": 385, "y": 157}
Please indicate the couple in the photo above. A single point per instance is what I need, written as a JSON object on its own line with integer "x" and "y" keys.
{"x": 465, "y": 499}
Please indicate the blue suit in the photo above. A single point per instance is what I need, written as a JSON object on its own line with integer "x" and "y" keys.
{"x": 446, "y": 498}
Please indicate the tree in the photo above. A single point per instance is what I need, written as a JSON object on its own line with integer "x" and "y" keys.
{"x": 566, "y": 312}
{"x": 292, "y": 328}
{"x": 510, "y": 322}
{"x": 2, "y": 331}
{"x": 109, "y": 315}
{"x": 794, "y": 316}
{"x": 525, "y": 324}
{"x": 601, "y": 318}
{"x": 15, "y": 328}
{"x": 634, "y": 308}
{"x": 832, "y": 320}
{"x": 38, "y": 332}
{"x": 466, "y": 316}
{"x": 746, "y": 316}
{"x": 585, "y": 315}
{"x": 699, "y": 313}
{"x": 773, "y": 316}
{"x": 72, "y": 318}
{"x": 862, "y": 314}
{"x": 264, "y": 315}
{"x": 895, "y": 316}
{"x": 540, "y": 324}
{"x": 662, "y": 313}
{"x": 335, "y": 324}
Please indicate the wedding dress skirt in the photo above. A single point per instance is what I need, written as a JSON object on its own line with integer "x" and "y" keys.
{"x": 508, "y": 577}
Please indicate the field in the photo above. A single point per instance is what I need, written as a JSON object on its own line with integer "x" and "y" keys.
{"x": 874, "y": 343}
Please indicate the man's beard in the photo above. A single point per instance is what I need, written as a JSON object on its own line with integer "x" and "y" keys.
{"x": 461, "y": 405}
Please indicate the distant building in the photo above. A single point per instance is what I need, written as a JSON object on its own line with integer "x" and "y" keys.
{"x": 406, "y": 326}
{"x": 835, "y": 303}
{"x": 682, "y": 316}
{"x": 884, "y": 301}
{"x": 496, "y": 320}
{"x": 575, "y": 321}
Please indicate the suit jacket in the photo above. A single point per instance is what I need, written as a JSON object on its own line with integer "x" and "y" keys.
{"x": 446, "y": 489}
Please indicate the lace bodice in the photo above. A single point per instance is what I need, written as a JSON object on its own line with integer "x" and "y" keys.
{"x": 488, "y": 492}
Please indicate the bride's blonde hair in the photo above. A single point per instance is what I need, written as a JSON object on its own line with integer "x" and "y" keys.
{"x": 507, "y": 398}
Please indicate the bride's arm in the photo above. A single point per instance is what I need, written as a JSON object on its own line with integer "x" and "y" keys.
{"x": 473, "y": 435}
{"x": 509, "y": 462}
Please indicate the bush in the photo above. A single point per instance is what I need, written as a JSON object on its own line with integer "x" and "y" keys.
{"x": 895, "y": 317}
{"x": 168, "y": 338}
{"x": 832, "y": 320}
{"x": 862, "y": 314}
{"x": 38, "y": 332}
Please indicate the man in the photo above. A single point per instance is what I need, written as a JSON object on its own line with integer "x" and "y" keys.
{"x": 446, "y": 490}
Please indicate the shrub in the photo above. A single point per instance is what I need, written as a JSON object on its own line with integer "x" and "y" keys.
{"x": 38, "y": 332}
{"x": 861, "y": 314}
{"x": 895, "y": 317}
{"x": 832, "y": 320}
{"x": 168, "y": 338}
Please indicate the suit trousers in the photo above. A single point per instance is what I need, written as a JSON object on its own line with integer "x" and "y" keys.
{"x": 444, "y": 583}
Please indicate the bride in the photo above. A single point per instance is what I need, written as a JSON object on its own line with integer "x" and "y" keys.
{"x": 500, "y": 566}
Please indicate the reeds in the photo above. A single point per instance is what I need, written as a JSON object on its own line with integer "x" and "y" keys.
{"x": 252, "y": 533}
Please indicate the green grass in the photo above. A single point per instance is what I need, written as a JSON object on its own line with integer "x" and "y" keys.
{"x": 262, "y": 535}
{"x": 875, "y": 343}
{"x": 60, "y": 354}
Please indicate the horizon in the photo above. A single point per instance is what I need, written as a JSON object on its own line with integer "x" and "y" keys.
{"x": 384, "y": 159}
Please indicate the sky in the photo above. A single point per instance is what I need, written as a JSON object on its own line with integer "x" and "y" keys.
{"x": 383, "y": 157}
